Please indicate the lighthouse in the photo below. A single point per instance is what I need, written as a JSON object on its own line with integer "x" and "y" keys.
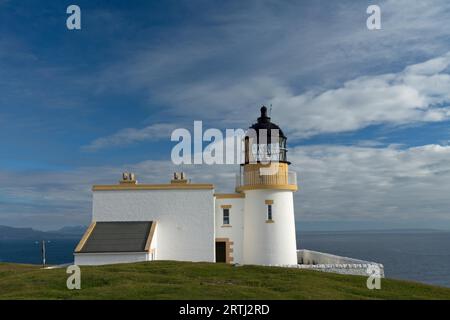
{"x": 183, "y": 220}
{"x": 189, "y": 221}
{"x": 269, "y": 222}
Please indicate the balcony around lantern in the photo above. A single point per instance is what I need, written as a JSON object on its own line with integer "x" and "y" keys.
{"x": 254, "y": 180}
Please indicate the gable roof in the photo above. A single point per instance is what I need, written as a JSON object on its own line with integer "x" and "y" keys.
{"x": 124, "y": 236}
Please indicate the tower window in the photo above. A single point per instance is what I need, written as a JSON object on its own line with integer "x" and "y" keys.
{"x": 269, "y": 212}
{"x": 269, "y": 204}
{"x": 226, "y": 216}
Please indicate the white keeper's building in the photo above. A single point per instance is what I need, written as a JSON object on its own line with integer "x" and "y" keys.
{"x": 186, "y": 221}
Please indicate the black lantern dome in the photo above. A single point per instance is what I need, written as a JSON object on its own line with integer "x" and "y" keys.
{"x": 263, "y": 131}
{"x": 264, "y": 123}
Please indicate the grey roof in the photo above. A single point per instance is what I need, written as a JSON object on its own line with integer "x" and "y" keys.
{"x": 118, "y": 237}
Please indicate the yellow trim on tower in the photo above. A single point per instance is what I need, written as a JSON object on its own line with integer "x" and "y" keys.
{"x": 226, "y": 206}
{"x": 258, "y": 166}
{"x": 86, "y": 235}
{"x": 287, "y": 187}
{"x": 269, "y": 202}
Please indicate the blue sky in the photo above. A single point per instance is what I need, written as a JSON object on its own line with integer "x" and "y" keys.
{"x": 366, "y": 112}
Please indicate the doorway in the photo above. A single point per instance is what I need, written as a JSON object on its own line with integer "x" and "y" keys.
{"x": 221, "y": 252}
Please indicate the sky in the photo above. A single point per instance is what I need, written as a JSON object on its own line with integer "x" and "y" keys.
{"x": 367, "y": 113}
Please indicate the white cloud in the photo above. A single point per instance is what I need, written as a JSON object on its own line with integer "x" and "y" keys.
{"x": 384, "y": 184}
{"x": 130, "y": 136}
{"x": 344, "y": 183}
{"x": 420, "y": 93}
{"x": 322, "y": 70}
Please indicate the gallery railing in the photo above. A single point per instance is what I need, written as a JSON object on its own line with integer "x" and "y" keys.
{"x": 258, "y": 178}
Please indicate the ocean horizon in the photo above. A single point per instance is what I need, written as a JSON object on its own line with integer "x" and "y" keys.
{"x": 416, "y": 255}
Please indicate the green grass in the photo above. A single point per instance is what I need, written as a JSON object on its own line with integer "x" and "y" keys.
{"x": 183, "y": 280}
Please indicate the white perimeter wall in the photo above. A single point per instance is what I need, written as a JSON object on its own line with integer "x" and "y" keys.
{"x": 185, "y": 219}
{"x": 234, "y": 232}
{"x": 269, "y": 243}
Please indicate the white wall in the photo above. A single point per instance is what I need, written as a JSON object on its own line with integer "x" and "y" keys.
{"x": 94, "y": 259}
{"x": 269, "y": 243}
{"x": 235, "y": 231}
{"x": 185, "y": 219}
{"x": 326, "y": 262}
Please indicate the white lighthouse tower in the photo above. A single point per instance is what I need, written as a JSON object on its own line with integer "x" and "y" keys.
{"x": 269, "y": 222}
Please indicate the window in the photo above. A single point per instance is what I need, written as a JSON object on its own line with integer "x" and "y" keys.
{"x": 269, "y": 204}
{"x": 226, "y": 216}
{"x": 269, "y": 212}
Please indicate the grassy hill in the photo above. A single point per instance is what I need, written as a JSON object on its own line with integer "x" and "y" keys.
{"x": 183, "y": 280}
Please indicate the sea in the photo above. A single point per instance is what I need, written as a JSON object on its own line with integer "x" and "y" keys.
{"x": 422, "y": 256}
{"x": 57, "y": 251}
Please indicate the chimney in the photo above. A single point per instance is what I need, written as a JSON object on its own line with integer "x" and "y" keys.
{"x": 179, "y": 177}
{"x": 128, "y": 178}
